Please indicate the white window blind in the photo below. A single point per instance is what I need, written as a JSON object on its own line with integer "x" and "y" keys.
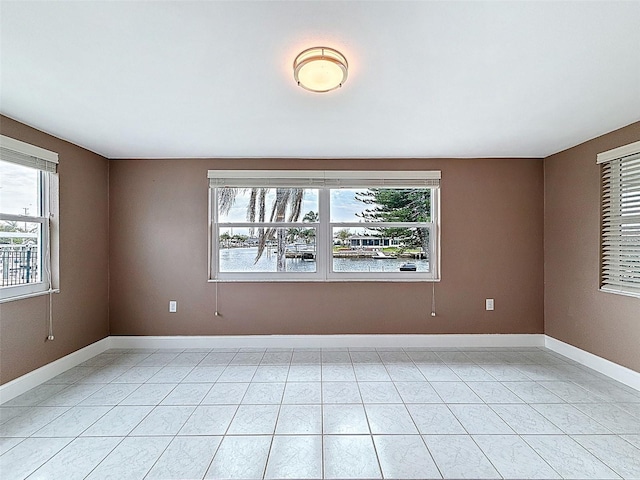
{"x": 320, "y": 179}
{"x": 15, "y": 151}
{"x": 620, "y": 230}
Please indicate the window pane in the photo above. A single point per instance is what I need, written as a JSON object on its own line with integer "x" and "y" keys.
{"x": 239, "y": 250}
{"x": 18, "y": 189}
{"x": 381, "y": 205}
{"x": 19, "y": 253}
{"x": 381, "y": 250}
{"x": 267, "y": 205}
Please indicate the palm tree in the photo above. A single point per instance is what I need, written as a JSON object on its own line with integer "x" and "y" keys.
{"x": 286, "y": 199}
{"x": 309, "y": 234}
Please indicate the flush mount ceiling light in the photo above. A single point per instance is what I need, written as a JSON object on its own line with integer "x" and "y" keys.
{"x": 320, "y": 69}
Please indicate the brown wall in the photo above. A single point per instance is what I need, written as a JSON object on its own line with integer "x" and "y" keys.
{"x": 81, "y": 310}
{"x": 576, "y": 312}
{"x": 492, "y": 246}
{"x": 153, "y": 239}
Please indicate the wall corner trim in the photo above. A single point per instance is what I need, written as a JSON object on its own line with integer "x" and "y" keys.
{"x": 45, "y": 373}
{"x": 606, "y": 367}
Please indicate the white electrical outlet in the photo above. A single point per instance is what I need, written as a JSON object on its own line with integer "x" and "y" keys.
{"x": 489, "y": 304}
{"x": 173, "y": 306}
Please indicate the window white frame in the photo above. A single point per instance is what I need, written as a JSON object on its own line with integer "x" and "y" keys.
{"x": 45, "y": 161}
{"x": 324, "y": 181}
{"x": 620, "y": 220}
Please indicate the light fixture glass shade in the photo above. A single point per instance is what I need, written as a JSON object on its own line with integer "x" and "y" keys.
{"x": 320, "y": 69}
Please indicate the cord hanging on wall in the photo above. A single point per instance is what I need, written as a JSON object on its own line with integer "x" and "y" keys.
{"x": 216, "y": 312}
{"x": 433, "y": 299}
{"x": 47, "y": 262}
{"x": 50, "y": 337}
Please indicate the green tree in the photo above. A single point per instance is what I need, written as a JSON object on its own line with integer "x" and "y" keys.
{"x": 293, "y": 234}
{"x": 16, "y": 227}
{"x": 308, "y": 234}
{"x": 240, "y": 238}
{"x": 343, "y": 235}
{"x": 398, "y": 205}
{"x": 310, "y": 217}
{"x": 224, "y": 239}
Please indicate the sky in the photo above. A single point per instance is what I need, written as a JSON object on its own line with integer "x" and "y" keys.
{"x": 344, "y": 205}
{"x": 18, "y": 189}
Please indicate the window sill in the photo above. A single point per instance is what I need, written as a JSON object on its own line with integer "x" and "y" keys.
{"x": 321, "y": 280}
{"x": 28, "y": 295}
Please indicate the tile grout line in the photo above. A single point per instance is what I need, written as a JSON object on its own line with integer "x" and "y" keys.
{"x": 362, "y": 402}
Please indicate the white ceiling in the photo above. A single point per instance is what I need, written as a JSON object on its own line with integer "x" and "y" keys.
{"x": 426, "y": 79}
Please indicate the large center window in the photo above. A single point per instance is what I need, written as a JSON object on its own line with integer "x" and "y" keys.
{"x": 332, "y": 225}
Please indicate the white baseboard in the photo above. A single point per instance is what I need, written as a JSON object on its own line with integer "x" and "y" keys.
{"x": 330, "y": 341}
{"x": 45, "y": 373}
{"x": 32, "y": 379}
{"x": 610, "y": 369}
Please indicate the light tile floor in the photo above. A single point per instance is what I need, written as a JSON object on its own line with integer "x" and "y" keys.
{"x": 336, "y": 414}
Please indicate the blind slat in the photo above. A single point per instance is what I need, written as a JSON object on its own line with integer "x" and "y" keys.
{"x": 627, "y": 260}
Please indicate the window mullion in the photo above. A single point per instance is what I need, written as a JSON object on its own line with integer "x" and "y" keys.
{"x": 368, "y": 225}
{"x": 21, "y": 218}
{"x": 434, "y": 258}
{"x": 214, "y": 235}
{"x": 324, "y": 245}
{"x": 268, "y": 225}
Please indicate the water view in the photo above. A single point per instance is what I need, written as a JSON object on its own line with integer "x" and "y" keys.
{"x": 243, "y": 260}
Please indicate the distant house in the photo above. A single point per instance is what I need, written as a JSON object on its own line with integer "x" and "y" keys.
{"x": 368, "y": 242}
